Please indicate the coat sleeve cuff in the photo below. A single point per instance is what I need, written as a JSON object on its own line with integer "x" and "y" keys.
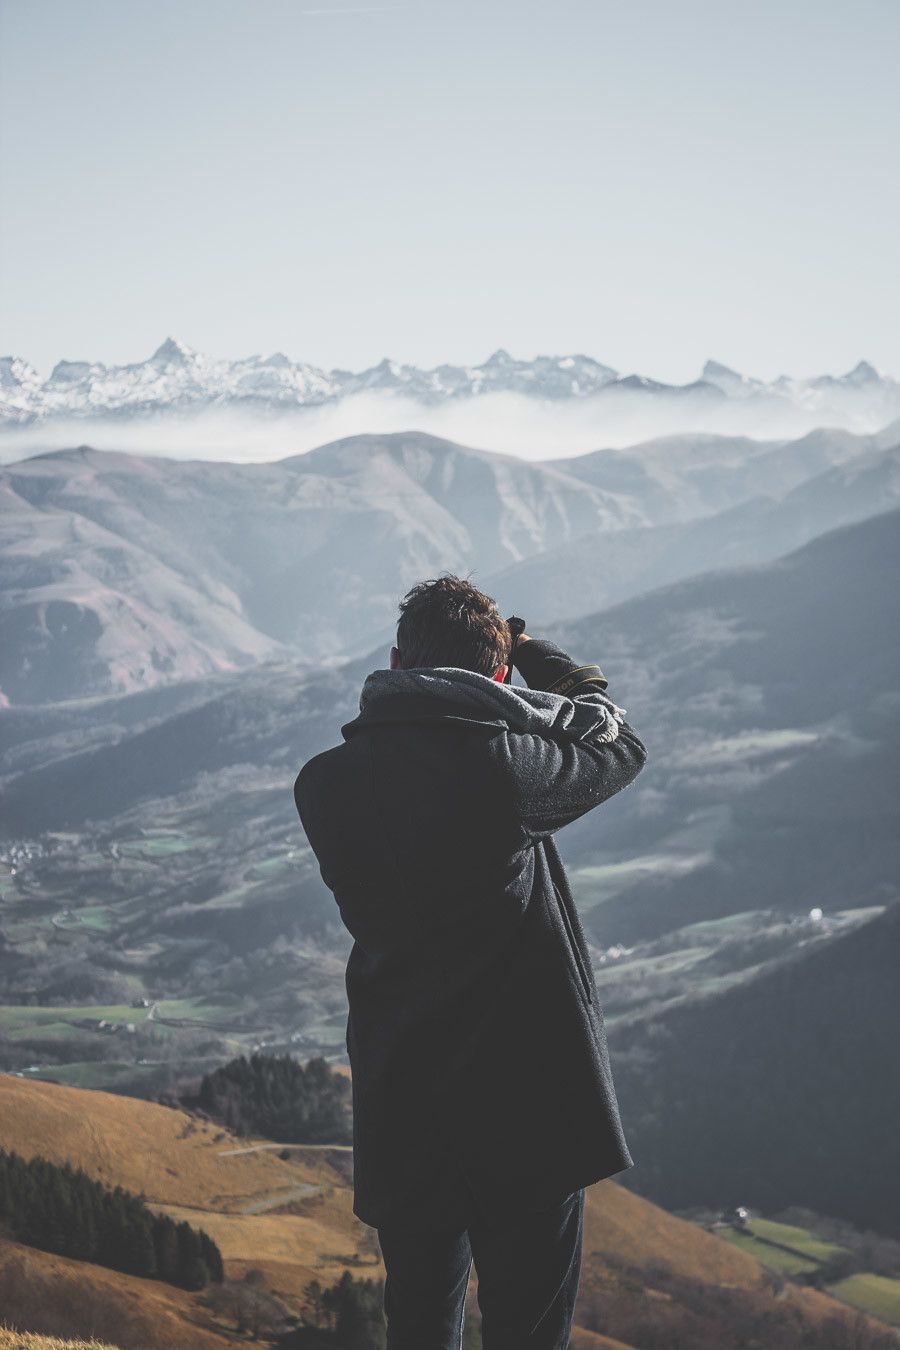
{"x": 544, "y": 665}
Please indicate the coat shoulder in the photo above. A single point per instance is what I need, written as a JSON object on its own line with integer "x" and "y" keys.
{"x": 314, "y": 773}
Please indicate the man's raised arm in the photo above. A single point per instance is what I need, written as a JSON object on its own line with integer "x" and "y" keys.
{"x": 556, "y": 778}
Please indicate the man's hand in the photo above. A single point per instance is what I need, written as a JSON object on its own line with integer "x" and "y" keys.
{"x": 549, "y": 667}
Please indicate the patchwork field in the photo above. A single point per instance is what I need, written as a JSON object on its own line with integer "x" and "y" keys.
{"x": 793, "y": 1250}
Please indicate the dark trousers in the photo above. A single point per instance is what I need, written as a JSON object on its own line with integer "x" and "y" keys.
{"x": 528, "y": 1275}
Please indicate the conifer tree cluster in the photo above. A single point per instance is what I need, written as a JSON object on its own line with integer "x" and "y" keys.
{"x": 59, "y": 1208}
{"x": 275, "y": 1096}
{"x": 349, "y": 1312}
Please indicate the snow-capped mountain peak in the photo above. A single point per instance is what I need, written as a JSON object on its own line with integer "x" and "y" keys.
{"x": 863, "y": 373}
{"x": 731, "y": 382}
{"x": 714, "y": 370}
{"x": 176, "y": 378}
{"x": 16, "y": 374}
{"x": 173, "y": 353}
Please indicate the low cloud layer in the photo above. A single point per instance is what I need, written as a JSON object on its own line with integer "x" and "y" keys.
{"x": 509, "y": 423}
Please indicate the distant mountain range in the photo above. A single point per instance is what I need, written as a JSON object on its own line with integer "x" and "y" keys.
{"x": 121, "y": 572}
{"x": 178, "y": 379}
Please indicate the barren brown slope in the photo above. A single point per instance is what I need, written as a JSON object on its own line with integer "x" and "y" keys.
{"x": 625, "y": 1233}
{"x": 592, "y": 1340}
{"x": 622, "y": 1225}
{"x": 167, "y": 1155}
{"x": 199, "y": 1172}
{"x": 54, "y": 1295}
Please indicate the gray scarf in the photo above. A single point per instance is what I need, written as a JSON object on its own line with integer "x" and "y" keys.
{"x": 521, "y": 708}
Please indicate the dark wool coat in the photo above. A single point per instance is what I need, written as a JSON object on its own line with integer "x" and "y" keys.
{"x": 478, "y": 1053}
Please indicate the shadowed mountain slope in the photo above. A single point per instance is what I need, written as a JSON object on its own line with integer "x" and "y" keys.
{"x": 597, "y": 571}
{"x": 768, "y": 699}
{"x": 779, "y": 1091}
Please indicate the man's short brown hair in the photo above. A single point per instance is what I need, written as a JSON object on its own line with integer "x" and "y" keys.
{"x": 448, "y": 622}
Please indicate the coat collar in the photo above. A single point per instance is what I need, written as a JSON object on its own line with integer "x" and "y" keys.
{"x": 450, "y": 693}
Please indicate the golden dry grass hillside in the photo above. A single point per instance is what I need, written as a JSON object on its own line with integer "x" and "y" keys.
{"x": 592, "y": 1340}
{"x": 24, "y": 1340}
{"x": 197, "y": 1171}
{"x": 50, "y": 1294}
{"x": 168, "y": 1155}
{"x": 627, "y": 1238}
{"x": 287, "y": 1212}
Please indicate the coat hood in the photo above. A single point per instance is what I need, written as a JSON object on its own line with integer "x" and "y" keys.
{"x": 453, "y": 693}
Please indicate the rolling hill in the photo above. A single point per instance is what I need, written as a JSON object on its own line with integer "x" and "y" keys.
{"x": 126, "y": 572}
{"x": 52, "y": 1294}
{"x": 637, "y": 1257}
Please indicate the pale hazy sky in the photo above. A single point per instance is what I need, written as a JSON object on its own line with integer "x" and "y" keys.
{"x": 650, "y": 182}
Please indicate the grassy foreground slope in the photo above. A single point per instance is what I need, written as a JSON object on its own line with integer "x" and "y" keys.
{"x": 169, "y": 1156}
{"x": 288, "y": 1213}
{"x": 61, "y": 1297}
{"x": 24, "y": 1340}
